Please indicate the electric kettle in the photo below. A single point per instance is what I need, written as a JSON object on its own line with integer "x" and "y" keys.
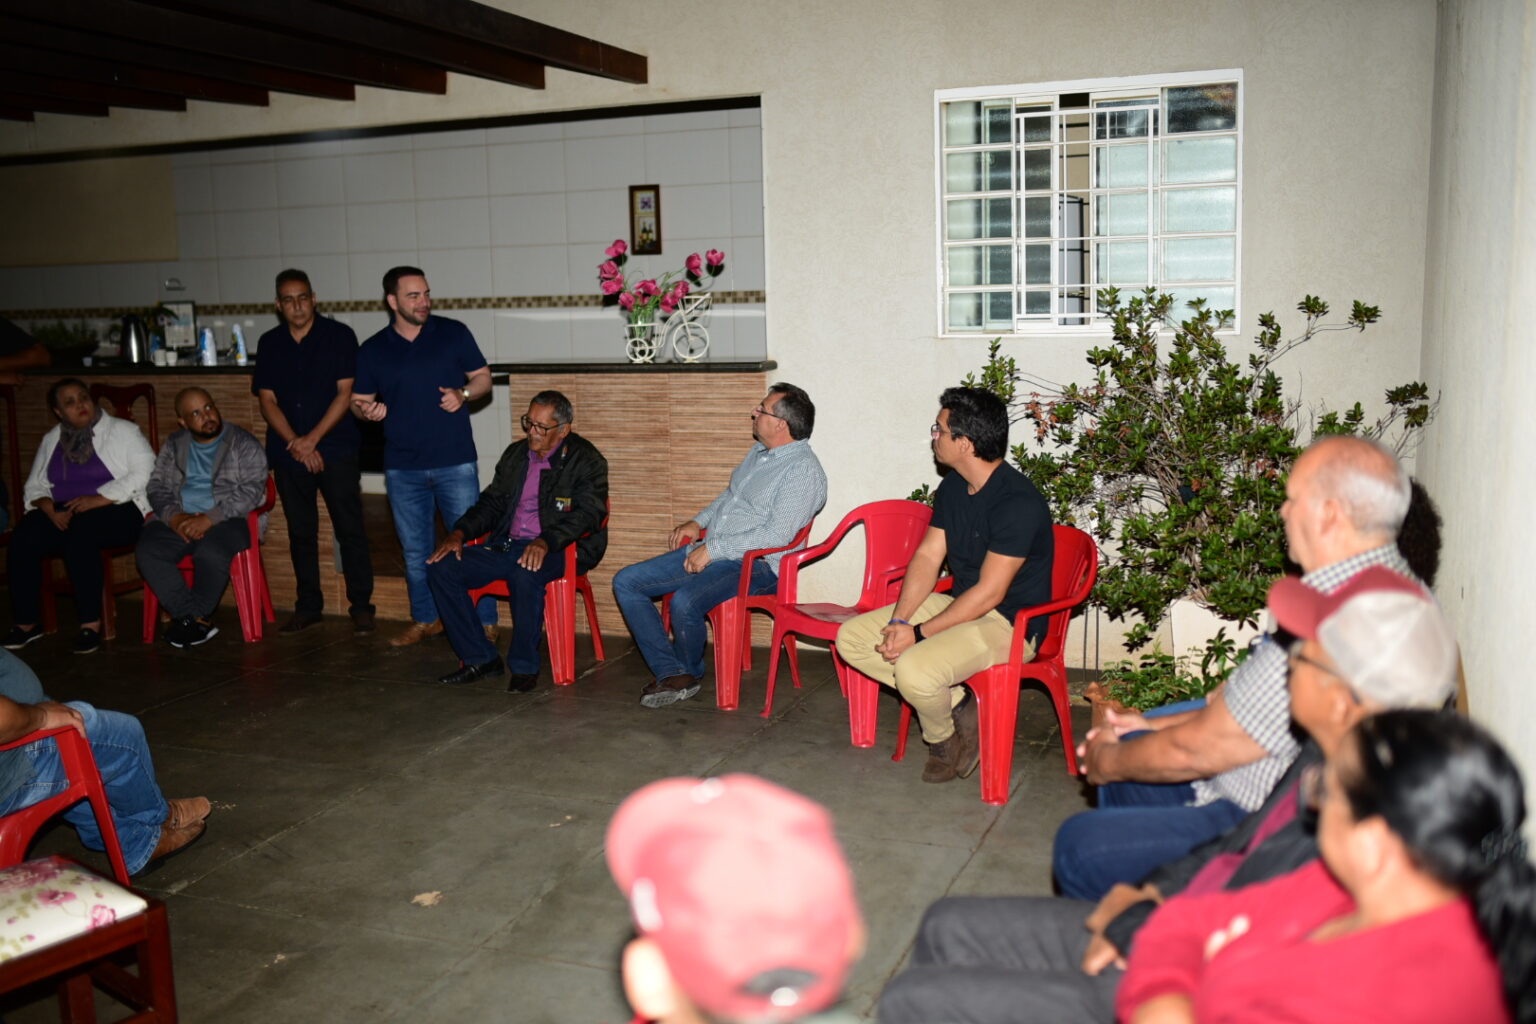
{"x": 134, "y": 340}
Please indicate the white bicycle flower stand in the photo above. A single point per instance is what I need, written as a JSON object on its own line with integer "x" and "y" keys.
{"x": 684, "y": 334}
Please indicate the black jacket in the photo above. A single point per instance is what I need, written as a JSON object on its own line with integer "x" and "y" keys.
{"x": 1281, "y": 852}
{"x": 573, "y": 499}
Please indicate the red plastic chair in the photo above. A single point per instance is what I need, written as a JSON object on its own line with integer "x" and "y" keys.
{"x": 1074, "y": 568}
{"x": 892, "y": 530}
{"x": 559, "y": 609}
{"x": 732, "y": 623}
{"x": 18, "y": 827}
{"x": 247, "y": 575}
{"x": 122, "y": 399}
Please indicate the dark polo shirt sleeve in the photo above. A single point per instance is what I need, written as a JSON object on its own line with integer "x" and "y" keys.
{"x": 406, "y": 376}
{"x": 303, "y": 376}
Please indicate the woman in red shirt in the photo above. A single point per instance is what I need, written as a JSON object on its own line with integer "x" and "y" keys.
{"x": 1423, "y": 908}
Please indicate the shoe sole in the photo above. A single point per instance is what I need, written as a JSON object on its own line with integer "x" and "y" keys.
{"x": 88, "y": 650}
{"x": 667, "y": 697}
{"x": 213, "y": 631}
{"x": 34, "y": 638}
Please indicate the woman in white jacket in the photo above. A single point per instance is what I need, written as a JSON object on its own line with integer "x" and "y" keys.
{"x": 85, "y": 493}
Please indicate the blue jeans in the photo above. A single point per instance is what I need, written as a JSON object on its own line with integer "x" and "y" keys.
{"x": 122, "y": 756}
{"x": 693, "y": 595}
{"x": 453, "y": 578}
{"x": 414, "y": 495}
{"x": 1136, "y": 828}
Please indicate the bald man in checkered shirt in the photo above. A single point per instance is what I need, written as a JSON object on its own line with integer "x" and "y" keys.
{"x": 1194, "y": 775}
{"x": 777, "y": 489}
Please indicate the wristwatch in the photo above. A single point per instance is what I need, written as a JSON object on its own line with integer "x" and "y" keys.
{"x": 917, "y": 634}
{"x": 465, "y": 392}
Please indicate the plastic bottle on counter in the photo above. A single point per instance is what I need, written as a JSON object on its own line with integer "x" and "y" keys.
{"x": 208, "y": 349}
{"x": 240, "y": 355}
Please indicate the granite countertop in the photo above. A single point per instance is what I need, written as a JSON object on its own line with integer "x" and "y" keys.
{"x": 117, "y": 369}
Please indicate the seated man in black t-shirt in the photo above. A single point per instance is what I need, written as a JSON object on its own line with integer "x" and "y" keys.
{"x": 993, "y": 526}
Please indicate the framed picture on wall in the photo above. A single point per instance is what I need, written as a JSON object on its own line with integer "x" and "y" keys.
{"x": 181, "y": 332}
{"x": 645, "y": 219}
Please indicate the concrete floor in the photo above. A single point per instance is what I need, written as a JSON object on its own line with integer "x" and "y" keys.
{"x": 383, "y": 848}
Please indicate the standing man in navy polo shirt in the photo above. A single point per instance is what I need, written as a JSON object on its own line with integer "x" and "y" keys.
{"x": 303, "y": 381}
{"x": 418, "y": 376}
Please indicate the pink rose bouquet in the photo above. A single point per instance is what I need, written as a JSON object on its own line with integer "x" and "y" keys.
{"x": 642, "y": 300}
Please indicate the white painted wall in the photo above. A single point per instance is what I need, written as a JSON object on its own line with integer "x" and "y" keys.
{"x": 1480, "y": 349}
{"x": 1337, "y": 108}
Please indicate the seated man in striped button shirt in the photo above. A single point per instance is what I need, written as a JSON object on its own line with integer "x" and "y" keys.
{"x": 775, "y": 491}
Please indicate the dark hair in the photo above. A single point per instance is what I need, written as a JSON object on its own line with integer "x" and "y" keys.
{"x": 980, "y": 415}
{"x": 795, "y": 408}
{"x": 562, "y": 405}
{"x": 392, "y": 278}
{"x": 1418, "y": 540}
{"x": 292, "y": 274}
{"x": 60, "y": 385}
{"x": 1447, "y": 788}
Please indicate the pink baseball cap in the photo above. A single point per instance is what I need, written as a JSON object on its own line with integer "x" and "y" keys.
{"x": 1385, "y": 633}
{"x": 744, "y": 888}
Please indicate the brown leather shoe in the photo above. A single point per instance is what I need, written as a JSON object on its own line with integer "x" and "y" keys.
{"x": 187, "y": 810}
{"x": 173, "y": 840}
{"x": 953, "y": 758}
{"x": 362, "y": 622}
{"x": 300, "y": 622}
{"x": 417, "y": 632}
{"x": 968, "y": 728}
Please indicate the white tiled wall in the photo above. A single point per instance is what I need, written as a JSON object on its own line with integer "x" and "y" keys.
{"x": 517, "y": 211}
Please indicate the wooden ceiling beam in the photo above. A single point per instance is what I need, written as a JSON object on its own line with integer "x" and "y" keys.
{"x": 90, "y": 92}
{"x": 142, "y": 22}
{"x": 357, "y": 29}
{"x": 107, "y": 72}
{"x": 170, "y": 61}
{"x": 52, "y": 105}
{"x": 532, "y": 39}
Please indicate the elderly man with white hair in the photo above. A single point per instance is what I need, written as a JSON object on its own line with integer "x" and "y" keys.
{"x": 1189, "y": 777}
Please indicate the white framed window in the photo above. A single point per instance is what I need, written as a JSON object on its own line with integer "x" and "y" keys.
{"x": 1049, "y": 192}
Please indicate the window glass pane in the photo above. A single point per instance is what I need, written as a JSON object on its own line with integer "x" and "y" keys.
{"x": 1073, "y": 300}
{"x": 1037, "y": 264}
{"x": 962, "y": 124}
{"x": 1199, "y": 259}
{"x": 1000, "y": 122}
{"x": 965, "y": 312}
{"x": 1215, "y": 298}
{"x": 999, "y": 264}
{"x": 999, "y": 165}
{"x": 1037, "y": 129}
{"x": 1037, "y": 302}
{"x": 1122, "y": 214}
{"x": 1200, "y": 209}
{"x": 1202, "y": 108}
{"x": 964, "y": 220}
{"x": 1037, "y": 218}
{"x": 1072, "y": 262}
{"x": 1122, "y": 261}
{"x": 1000, "y": 310}
{"x": 1037, "y": 168}
{"x": 964, "y": 265}
{"x": 1201, "y": 160}
{"x": 1122, "y": 166}
{"x": 999, "y": 218}
{"x": 1120, "y": 124}
{"x": 962, "y": 172}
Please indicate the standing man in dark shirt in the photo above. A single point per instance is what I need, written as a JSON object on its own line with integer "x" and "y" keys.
{"x": 303, "y": 381}
{"x": 994, "y": 528}
{"x": 418, "y": 376}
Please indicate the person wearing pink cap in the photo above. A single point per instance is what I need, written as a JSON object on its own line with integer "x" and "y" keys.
{"x": 1191, "y": 776}
{"x": 742, "y": 901}
{"x": 1378, "y": 642}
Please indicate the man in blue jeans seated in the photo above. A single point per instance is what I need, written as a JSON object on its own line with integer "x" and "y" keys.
{"x": 777, "y": 489}
{"x": 149, "y": 827}
{"x": 418, "y": 376}
{"x": 1195, "y": 774}
{"x": 550, "y": 490}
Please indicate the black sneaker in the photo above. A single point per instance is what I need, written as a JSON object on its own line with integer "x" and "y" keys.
{"x": 178, "y": 631}
{"x": 18, "y": 638}
{"x": 202, "y": 632}
{"x": 190, "y": 632}
{"x": 88, "y": 642}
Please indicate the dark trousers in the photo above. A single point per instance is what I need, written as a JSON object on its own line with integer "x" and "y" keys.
{"x": 80, "y": 546}
{"x": 1016, "y": 959}
{"x": 451, "y": 580}
{"x": 161, "y": 547}
{"x": 339, "y": 483}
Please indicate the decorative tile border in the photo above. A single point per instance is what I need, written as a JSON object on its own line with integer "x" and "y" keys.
{"x": 368, "y": 306}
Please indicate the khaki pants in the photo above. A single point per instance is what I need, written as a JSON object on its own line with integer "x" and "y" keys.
{"x": 926, "y": 674}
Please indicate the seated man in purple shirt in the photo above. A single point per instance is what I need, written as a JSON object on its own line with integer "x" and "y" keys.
{"x": 550, "y": 491}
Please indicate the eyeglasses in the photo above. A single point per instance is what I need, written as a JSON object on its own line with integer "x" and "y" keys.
{"x": 760, "y": 411}
{"x": 539, "y": 428}
{"x": 935, "y": 430}
{"x": 1296, "y": 657}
